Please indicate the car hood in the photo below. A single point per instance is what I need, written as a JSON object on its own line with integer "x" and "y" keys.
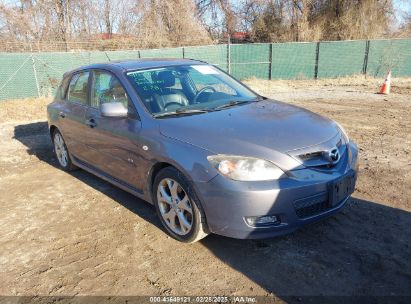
{"x": 263, "y": 129}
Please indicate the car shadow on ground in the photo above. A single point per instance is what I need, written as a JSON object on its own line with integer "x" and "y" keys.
{"x": 364, "y": 250}
{"x": 37, "y": 141}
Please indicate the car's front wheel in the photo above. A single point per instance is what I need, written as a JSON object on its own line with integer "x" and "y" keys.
{"x": 177, "y": 206}
{"x": 61, "y": 151}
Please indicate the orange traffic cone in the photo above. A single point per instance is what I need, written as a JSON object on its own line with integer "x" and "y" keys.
{"x": 386, "y": 86}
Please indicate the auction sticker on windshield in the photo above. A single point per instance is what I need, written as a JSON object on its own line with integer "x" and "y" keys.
{"x": 205, "y": 69}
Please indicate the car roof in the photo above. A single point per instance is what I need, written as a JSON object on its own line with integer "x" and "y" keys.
{"x": 137, "y": 64}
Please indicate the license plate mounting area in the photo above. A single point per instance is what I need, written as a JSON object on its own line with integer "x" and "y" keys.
{"x": 340, "y": 188}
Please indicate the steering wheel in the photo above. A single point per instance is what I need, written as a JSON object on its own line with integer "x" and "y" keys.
{"x": 172, "y": 103}
{"x": 201, "y": 91}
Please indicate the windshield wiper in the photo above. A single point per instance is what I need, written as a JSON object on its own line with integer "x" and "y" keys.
{"x": 231, "y": 104}
{"x": 180, "y": 112}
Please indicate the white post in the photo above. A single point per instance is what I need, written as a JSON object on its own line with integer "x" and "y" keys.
{"x": 229, "y": 54}
{"x": 35, "y": 75}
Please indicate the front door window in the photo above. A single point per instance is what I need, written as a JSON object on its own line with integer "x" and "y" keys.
{"x": 107, "y": 88}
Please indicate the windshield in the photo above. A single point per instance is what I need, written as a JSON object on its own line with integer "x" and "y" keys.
{"x": 187, "y": 89}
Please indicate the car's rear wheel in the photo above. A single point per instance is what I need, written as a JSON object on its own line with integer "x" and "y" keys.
{"x": 61, "y": 151}
{"x": 177, "y": 206}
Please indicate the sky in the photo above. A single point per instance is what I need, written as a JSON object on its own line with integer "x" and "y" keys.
{"x": 403, "y": 8}
{"x": 404, "y": 4}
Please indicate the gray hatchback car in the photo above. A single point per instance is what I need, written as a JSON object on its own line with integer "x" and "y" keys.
{"x": 210, "y": 154}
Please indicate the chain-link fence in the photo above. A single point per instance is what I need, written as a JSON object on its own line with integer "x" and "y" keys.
{"x": 38, "y": 74}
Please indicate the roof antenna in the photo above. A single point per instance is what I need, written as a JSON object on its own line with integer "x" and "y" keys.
{"x": 107, "y": 56}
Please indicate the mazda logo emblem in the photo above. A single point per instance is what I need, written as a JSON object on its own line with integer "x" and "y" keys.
{"x": 333, "y": 155}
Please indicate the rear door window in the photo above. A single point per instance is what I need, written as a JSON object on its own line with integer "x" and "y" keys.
{"x": 77, "y": 91}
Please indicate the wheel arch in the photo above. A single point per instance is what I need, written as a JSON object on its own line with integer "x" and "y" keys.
{"x": 156, "y": 168}
{"x": 52, "y": 129}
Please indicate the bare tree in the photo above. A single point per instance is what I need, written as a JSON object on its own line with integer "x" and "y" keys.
{"x": 213, "y": 9}
{"x": 159, "y": 23}
{"x": 170, "y": 23}
{"x": 107, "y": 16}
{"x": 311, "y": 20}
{"x": 61, "y": 8}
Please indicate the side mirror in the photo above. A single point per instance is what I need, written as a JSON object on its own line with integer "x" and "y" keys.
{"x": 113, "y": 109}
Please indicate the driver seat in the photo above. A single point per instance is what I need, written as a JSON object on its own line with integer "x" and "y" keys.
{"x": 166, "y": 80}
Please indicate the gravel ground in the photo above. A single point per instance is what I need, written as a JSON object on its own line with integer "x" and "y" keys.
{"x": 74, "y": 234}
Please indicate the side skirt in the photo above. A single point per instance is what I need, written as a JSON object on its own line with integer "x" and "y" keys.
{"x": 108, "y": 178}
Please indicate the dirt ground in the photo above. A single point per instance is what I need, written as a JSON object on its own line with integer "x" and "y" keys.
{"x": 74, "y": 234}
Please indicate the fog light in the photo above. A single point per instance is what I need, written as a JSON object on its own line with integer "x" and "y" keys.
{"x": 261, "y": 221}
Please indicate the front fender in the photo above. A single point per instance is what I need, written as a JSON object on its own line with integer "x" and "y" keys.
{"x": 188, "y": 159}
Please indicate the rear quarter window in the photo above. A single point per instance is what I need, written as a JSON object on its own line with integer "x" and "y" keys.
{"x": 62, "y": 89}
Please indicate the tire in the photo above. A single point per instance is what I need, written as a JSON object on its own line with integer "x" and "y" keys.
{"x": 174, "y": 198}
{"x": 62, "y": 153}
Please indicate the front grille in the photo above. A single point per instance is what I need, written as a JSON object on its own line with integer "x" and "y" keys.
{"x": 317, "y": 159}
{"x": 317, "y": 156}
{"x": 312, "y": 205}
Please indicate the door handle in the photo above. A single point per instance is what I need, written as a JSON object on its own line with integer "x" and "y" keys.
{"x": 62, "y": 114}
{"x": 91, "y": 122}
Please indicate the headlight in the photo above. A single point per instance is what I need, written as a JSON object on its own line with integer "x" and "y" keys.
{"x": 345, "y": 134}
{"x": 242, "y": 168}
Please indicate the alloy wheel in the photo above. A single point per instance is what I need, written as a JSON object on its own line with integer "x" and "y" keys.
{"x": 60, "y": 148}
{"x": 175, "y": 206}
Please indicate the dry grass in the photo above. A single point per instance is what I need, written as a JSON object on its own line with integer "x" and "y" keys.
{"x": 24, "y": 109}
{"x": 369, "y": 84}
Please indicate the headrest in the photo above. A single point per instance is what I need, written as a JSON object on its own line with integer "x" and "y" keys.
{"x": 114, "y": 82}
{"x": 166, "y": 79}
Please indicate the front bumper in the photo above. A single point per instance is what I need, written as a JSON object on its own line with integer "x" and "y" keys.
{"x": 226, "y": 203}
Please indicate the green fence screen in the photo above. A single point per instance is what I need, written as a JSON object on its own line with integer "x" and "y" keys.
{"x": 250, "y": 60}
{"x": 38, "y": 74}
{"x": 392, "y": 55}
{"x": 341, "y": 58}
{"x": 293, "y": 60}
{"x": 214, "y": 54}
